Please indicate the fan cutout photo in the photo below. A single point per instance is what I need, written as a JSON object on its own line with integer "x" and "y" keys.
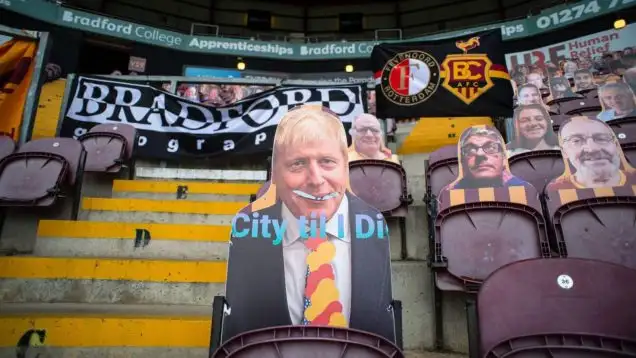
{"x": 482, "y": 161}
{"x": 368, "y": 140}
{"x": 533, "y": 130}
{"x": 309, "y": 251}
{"x": 560, "y": 88}
{"x": 592, "y": 156}
{"x": 584, "y": 80}
{"x": 617, "y": 101}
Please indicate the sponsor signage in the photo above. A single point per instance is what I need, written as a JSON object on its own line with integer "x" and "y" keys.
{"x": 171, "y": 127}
{"x": 548, "y": 20}
{"x": 589, "y": 47}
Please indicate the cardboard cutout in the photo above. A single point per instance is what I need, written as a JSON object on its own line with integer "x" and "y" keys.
{"x": 617, "y": 101}
{"x": 584, "y": 80}
{"x": 482, "y": 161}
{"x": 560, "y": 88}
{"x": 592, "y": 156}
{"x": 532, "y": 130}
{"x": 528, "y": 94}
{"x": 367, "y": 140}
{"x": 309, "y": 252}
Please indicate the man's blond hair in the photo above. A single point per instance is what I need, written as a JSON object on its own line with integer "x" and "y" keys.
{"x": 308, "y": 124}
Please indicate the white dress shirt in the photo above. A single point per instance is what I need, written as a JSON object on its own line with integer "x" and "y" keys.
{"x": 295, "y": 255}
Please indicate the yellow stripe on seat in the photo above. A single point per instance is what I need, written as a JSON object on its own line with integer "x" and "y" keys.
{"x": 119, "y": 230}
{"x": 164, "y": 206}
{"x": 105, "y": 331}
{"x": 158, "y": 186}
{"x": 113, "y": 269}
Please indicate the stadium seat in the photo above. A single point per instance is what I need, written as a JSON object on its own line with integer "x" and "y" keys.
{"x": 7, "y": 146}
{"x": 298, "y": 341}
{"x": 479, "y": 230}
{"x": 625, "y": 129}
{"x": 381, "y": 184}
{"x": 537, "y": 167}
{"x": 589, "y": 93}
{"x": 555, "y": 308}
{"x": 441, "y": 171}
{"x": 557, "y": 120}
{"x": 595, "y": 223}
{"x": 581, "y": 106}
{"x": 109, "y": 147}
{"x": 41, "y": 172}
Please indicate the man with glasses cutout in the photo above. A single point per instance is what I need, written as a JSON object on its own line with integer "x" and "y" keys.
{"x": 368, "y": 141}
{"x": 483, "y": 162}
{"x": 592, "y": 155}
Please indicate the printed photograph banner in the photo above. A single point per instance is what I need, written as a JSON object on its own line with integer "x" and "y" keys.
{"x": 448, "y": 78}
{"x": 171, "y": 127}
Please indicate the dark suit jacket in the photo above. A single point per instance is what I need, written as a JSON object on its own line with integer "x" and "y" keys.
{"x": 255, "y": 287}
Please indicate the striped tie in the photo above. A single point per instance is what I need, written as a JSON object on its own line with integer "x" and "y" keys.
{"x": 322, "y": 305}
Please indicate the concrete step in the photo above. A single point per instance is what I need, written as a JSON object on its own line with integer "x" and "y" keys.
{"x": 216, "y": 175}
{"x": 146, "y": 331}
{"x": 196, "y": 190}
{"x": 101, "y": 280}
{"x": 59, "y": 238}
{"x": 109, "y": 330}
{"x": 159, "y": 211}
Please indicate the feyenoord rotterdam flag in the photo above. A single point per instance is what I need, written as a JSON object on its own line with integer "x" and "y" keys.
{"x": 458, "y": 77}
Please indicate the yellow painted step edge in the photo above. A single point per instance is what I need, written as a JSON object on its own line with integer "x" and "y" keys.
{"x": 78, "y": 331}
{"x": 164, "y": 206}
{"x": 158, "y": 186}
{"x": 111, "y": 230}
{"x": 113, "y": 269}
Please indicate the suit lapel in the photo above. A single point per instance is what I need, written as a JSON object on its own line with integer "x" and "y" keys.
{"x": 366, "y": 268}
{"x": 275, "y": 272}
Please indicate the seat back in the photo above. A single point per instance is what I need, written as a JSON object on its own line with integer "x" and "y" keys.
{"x": 625, "y": 130}
{"x": 591, "y": 218}
{"x": 441, "y": 170}
{"x": 580, "y": 106}
{"x": 108, "y": 146}
{"x": 537, "y": 167}
{"x": 557, "y": 120}
{"x": 381, "y": 184}
{"x": 558, "y": 308}
{"x": 35, "y": 174}
{"x": 480, "y": 226}
{"x": 7, "y": 146}
{"x": 68, "y": 148}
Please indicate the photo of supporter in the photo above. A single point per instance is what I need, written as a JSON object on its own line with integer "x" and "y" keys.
{"x": 617, "y": 100}
{"x": 533, "y": 130}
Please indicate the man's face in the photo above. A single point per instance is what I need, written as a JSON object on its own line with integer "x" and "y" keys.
{"x": 532, "y": 124}
{"x": 371, "y": 103}
{"x": 591, "y": 148}
{"x": 529, "y": 95}
{"x": 311, "y": 177}
{"x": 535, "y": 79}
{"x": 367, "y": 131}
{"x": 617, "y": 99}
{"x": 482, "y": 165}
{"x": 583, "y": 81}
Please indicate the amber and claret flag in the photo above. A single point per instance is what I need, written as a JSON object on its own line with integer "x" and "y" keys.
{"x": 457, "y": 77}
{"x": 16, "y": 71}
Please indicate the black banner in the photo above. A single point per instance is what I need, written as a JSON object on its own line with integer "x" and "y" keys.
{"x": 459, "y": 77}
{"x": 172, "y": 127}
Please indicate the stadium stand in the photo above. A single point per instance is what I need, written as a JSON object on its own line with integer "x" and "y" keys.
{"x": 552, "y": 308}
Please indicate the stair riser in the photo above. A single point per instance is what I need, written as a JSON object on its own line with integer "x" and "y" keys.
{"x": 114, "y": 352}
{"x": 173, "y": 196}
{"x": 125, "y": 248}
{"x": 152, "y": 217}
{"x": 112, "y": 292}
